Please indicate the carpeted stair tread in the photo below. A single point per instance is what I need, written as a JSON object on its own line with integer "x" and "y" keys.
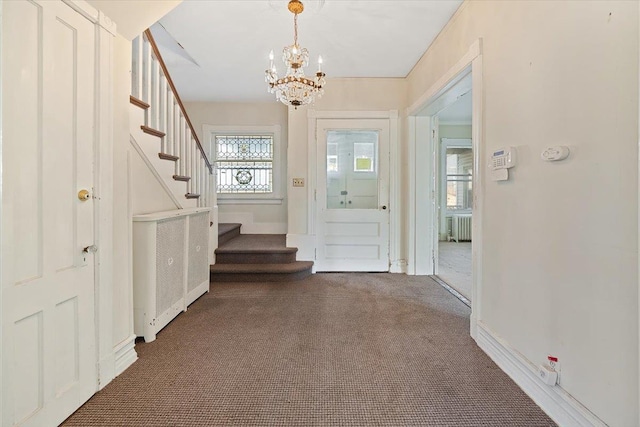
{"x": 290, "y": 267}
{"x": 226, "y": 227}
{"x": 227, "y": 232}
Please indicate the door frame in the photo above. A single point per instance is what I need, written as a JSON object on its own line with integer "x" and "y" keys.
{"x": 421, "y": 145}
{"x": 105, "y": 31}
{"x": 396, "y": 265}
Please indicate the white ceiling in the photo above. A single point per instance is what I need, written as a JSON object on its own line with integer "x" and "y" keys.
{"x": 458, "y": 113}
{"x": 230, "y": 40}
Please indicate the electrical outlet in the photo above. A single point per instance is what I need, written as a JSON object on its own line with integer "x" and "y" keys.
{"x": 298, "y": 182}
{"x": 547, "y": 375}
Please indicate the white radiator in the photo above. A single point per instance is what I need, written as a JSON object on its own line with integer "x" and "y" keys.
{"x": 461, "y": 228}
{"x": 170, "y": 266}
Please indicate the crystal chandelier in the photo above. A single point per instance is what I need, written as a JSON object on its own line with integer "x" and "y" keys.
{"x": 295, "y": 88}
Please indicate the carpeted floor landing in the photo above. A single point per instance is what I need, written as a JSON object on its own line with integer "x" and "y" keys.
{"x": 333, "y": 349}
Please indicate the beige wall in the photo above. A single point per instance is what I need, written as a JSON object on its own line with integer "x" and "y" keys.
{"x": 264, "y": 217}
{"x": 559, "y": 276}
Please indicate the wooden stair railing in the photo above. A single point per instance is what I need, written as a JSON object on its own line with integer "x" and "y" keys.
{"x": 165, "y": 117}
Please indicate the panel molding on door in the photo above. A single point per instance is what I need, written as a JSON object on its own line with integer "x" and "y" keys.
{"x": 352, "y": 219}
{"x": 48, "y": 290}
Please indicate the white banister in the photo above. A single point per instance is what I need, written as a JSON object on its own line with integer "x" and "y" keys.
{"x": 176, "y": 132}
{"x": 136, "y": 68}
{"x": 146, "y": 70}
{"x": 153, "y": 99}
{"x": 162, "y": 108}
{"x": 165, "y": 113}
{"x": 168, "y": 140}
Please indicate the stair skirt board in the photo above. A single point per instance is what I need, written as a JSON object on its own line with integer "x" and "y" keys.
{"x": 153, "y": 170}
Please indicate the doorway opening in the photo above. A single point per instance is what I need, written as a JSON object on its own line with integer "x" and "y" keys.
{"x": 454, "y": 194}
{"x": 463, "y": 81}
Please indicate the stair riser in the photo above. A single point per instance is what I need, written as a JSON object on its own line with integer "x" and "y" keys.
{"x": 260, "y": 258}
{"x": 224, "y": 238}
{"x": 259, "y": 277}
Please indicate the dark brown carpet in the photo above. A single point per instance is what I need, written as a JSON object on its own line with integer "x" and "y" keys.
{"x": 333, "y": 349}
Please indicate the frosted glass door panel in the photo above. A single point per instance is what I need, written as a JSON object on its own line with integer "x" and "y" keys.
{"x": 352, "y": 169}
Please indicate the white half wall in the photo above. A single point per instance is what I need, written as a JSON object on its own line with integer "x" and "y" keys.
{"x": 560, "y": 240}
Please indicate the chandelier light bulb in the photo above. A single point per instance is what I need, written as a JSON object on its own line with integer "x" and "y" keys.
{"x": 319, "y": 63}
{"x": 271, "y": 55}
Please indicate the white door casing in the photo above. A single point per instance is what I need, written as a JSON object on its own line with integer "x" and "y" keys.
{"x": 352, "y": 210}
{"x": 49, "y": 118}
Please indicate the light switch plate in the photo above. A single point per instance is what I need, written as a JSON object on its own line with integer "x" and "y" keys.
{"x": 298, "y": 182}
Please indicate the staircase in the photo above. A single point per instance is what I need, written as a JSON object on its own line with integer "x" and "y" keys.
{"x": 161, "y": 131}
{"x": 255, "y": 258}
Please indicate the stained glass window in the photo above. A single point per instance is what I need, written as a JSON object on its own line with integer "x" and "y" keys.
{"x": 244, "y": 164}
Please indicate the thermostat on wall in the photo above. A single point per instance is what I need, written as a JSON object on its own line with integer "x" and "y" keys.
{"x": 553, "y": 154}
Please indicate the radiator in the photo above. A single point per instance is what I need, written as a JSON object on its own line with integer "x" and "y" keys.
{"x": 170, "y": 266}
{"x": 461, "y": 228}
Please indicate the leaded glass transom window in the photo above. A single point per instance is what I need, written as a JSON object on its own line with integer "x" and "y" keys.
{"x": 244, "y": 164}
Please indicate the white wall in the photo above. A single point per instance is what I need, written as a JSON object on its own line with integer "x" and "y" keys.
{"x": 122, "y": 295}
{"x": 560, "y": 239}
{"x": 256, "y": 218}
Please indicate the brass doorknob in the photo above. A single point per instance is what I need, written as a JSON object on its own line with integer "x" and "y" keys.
{"x": 84, "y": 195}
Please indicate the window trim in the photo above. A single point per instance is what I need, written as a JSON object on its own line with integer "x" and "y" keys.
{"x": 273, "y": 198}
{"x": 451, "y": 143}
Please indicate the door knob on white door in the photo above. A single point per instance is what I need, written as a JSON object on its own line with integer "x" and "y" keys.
{"x": 384, "y": 208}
{"x": 90, "y": 249}
{"x": 84, "y": 195}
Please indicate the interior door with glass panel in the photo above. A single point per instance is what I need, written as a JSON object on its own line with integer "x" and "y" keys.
{"x": 353, "y": 195}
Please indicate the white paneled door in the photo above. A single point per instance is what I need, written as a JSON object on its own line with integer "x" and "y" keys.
{"x": 352, "y": 196}
{"x": 48, "y": 323}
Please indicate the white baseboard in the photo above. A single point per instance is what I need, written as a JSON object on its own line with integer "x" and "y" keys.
{"x": 306, "y": 245}
{"x": 557, "y": 403}
{"x": 251, "y": 227}
{"x": 125, "y": 354}
{"x": 398, "y": 266}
